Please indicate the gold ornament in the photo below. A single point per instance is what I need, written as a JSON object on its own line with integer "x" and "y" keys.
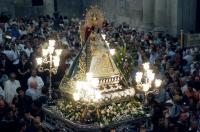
{"x": 94, "y": 17}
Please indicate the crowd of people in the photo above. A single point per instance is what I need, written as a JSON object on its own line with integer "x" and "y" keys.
{"x": 176, "y": 107}
{"x": 23, "y": 89}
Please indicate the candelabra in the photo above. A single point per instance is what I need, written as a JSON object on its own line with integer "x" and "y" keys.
{"x": 146, "y": 81}
{"x": 50, "y": 56}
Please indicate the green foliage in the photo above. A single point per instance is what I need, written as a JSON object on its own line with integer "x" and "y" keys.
{"x": 125, "y": 60}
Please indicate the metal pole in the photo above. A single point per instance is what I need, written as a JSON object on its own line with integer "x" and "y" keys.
{"x": 182, "y": 38}
{"x": 50, "y": 83}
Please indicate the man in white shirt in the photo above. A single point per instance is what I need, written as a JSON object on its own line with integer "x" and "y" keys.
{"x": 28, "y": 49}
{"x": 38, "y": 79}
{"x": 33, "y": 90}
{"x": 8, "y": 54}
{"x": 10, "y": 87}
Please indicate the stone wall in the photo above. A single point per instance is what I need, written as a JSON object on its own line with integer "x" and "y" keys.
{"x": 70, "y": 8}
{"x": 158, "y": 15}
{"x": 25, "y": 8}
{"x": 18, "y": 8}
{"x": 7, "y": 7}
{"x": 187, "y": 15}
{"x": 129, "y": 11}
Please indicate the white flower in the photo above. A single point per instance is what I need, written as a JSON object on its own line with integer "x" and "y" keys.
{"x": 133, "y": 109}
{"x": 129, "y": 104}
{"x": 102, "y": 112}
{"x": 112, "y": 112}
{"x": 110, "y": 107}
{"x": 108, "y": 114}
{"x": 113, "y": 104}
{"x": 107, "y": 110}
{"x": 101, "y": 124}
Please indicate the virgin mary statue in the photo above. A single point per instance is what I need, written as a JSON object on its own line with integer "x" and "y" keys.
{"x": 94, "y": 57}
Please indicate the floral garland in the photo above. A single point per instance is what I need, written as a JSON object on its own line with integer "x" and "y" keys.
{"x": 103, "y": 115}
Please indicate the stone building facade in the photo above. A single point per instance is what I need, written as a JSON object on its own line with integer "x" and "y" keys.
{"x": 158, "y": 15}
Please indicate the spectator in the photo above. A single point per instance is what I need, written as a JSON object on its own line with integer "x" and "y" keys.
{"x": 28, "y": 50}
{"x": 24, "y": 71}
{"x": 3, "y": 78}
{"x": 15, "y": 56}
{"x": 33, "y": 91}
{"x": 5, "y": 64}
{"x": 35, "y": 77}
{"x": 22, "y": 101}
{"x": 10, "y": 88}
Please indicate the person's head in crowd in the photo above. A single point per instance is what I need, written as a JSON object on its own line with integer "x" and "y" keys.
{"x": 33, "y": 84}
{"x": 24, "y": 57}
{"x": 13, "y": 76}
{"x": 13, "y": 46}
{"x": 21, "y": 126}
{"x": 1, "y": 73}
{"x": 190, "y": 86}
{"x": 10, "y": 114}
{"x": 20, "y": 91}
{"x": 33, "y": 72}
{"x": 3, "y": 103}
{"x": 3, "y": 56}
{"x": 28, "y": 45}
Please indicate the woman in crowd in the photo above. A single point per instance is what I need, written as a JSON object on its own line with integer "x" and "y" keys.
{"x": 24, "y": 70}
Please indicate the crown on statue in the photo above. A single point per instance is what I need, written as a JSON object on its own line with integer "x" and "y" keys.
{"x": 94, "y": 17}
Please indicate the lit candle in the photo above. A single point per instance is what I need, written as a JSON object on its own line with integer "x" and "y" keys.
{"x": 45, "y": 52}
{"x": 146, "y": 87}
{"x": 138, "y": 77}
{"x": 58, "y": 52}
{"x": 146, "y": 66}
{"x": 56, "y": 61}
{"x": 52, "y": 43}
{"x": 76, "y": 96}
{"x": 51, "y": 49}
{"x": 39, "y": 61}
{"x": 158, "y": 82}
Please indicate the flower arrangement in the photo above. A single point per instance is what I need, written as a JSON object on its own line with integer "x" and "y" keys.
{"x": 103, "y": 115}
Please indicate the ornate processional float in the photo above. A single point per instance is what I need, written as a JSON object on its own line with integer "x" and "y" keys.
{"x": 95, "y": 94}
